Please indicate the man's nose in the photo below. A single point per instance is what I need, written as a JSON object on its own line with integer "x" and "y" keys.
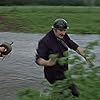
{"x": 63, "y": 32}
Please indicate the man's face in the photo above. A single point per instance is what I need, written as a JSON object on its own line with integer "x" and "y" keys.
{"x": 60, "y": 33}
{"x": 2, "y": 49}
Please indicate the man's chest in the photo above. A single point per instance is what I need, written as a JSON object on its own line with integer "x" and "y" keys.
{"x": 56, "y": 47}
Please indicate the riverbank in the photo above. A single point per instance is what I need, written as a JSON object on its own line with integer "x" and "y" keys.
{"x": 39, "y": 19}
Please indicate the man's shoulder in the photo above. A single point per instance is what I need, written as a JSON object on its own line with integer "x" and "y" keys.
{"x": 47, "y": 37}
{"x": 66, "y": 36}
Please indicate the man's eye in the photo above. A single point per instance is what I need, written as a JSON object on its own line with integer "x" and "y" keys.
{"x": 62, "y": 30}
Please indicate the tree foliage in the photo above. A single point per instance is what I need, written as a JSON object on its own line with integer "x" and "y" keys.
{"x": 51, "y": 2}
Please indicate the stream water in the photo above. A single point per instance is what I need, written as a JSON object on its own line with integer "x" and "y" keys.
{"x": 18, "y": 70}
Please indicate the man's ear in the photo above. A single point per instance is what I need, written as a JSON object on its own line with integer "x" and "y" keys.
{"x": 55, "y": 30}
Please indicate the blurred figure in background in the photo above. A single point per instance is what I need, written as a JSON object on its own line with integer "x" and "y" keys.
{"x": 5, "y": 49}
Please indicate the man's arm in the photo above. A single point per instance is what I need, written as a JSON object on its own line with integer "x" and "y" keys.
{"x": 80, "y": 51}
{"x": 44, "y": 62}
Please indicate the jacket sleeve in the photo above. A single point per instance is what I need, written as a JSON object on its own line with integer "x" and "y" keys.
{"x": 42, "y": 50}
{"x": 70, "y": 43}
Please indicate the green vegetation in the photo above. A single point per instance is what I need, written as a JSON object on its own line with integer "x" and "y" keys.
{"x": 39, "y": 19}
{"x": 51, "y": 2}
{"x": 85, "y": 75}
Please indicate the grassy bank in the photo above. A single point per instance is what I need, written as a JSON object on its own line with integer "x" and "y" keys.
{"x": 40, "y": 18}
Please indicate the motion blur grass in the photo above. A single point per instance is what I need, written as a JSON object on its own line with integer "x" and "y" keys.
{"x": 85, "y": 75}
{"x": 39, "y": 19}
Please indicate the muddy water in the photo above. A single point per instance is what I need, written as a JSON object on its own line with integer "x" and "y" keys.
{"x": 18, "y": 70}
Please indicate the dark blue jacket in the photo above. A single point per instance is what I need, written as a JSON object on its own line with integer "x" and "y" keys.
{"x": 49, "y": 44}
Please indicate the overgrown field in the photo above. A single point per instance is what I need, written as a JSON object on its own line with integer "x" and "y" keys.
{"x": 39, "y": 19}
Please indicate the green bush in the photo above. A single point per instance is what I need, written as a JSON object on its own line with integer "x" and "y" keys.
{"x": 85, "y": 75}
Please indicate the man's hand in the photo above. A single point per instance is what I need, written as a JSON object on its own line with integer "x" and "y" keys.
{"x": 88, "y": 60}
{"x": 81, "y": 52}
{"x": 51, "y": 62}
{"x": 44, "y": 62}
{"x": 2, "y": 49}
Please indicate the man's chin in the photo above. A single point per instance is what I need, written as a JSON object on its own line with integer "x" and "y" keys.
{"x": 61, "y": 37}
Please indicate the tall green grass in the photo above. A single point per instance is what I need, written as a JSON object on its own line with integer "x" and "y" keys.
{"x": 40, "y": 18}
{"x": 85, "y": 75}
